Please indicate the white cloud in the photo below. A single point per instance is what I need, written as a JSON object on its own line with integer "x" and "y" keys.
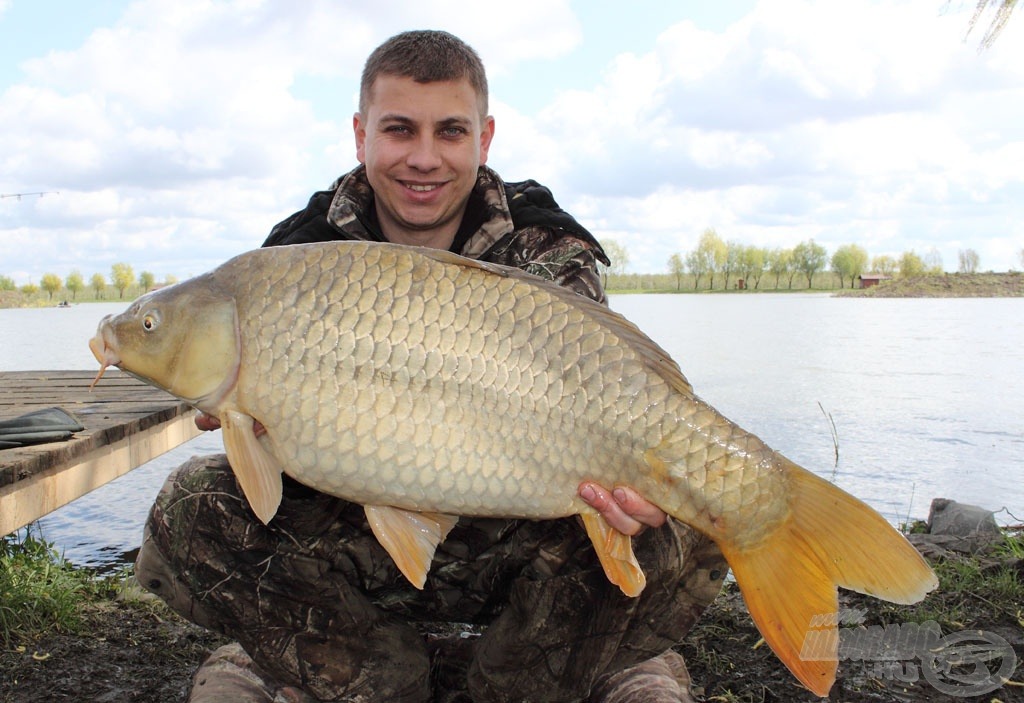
{"x": 863, "y": 122}
{"x": 178, "y": 129}
{"x": 180, "y": 133}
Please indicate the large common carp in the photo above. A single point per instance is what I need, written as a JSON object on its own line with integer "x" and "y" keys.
{"x": 425, "y": 386}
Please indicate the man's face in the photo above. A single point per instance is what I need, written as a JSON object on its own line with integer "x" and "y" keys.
{"x": 422, "y": 144}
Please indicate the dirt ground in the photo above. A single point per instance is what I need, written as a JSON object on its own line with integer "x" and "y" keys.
{"x": 143, "y": 653}
{"x": 128, "y": 652}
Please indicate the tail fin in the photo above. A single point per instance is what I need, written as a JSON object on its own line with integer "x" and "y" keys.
{"x": 789, "y": 579}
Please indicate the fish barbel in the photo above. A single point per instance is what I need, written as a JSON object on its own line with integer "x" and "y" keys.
{"x": 425, "y": 386}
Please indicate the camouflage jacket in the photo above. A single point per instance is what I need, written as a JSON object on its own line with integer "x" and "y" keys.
{"x": 515, "y": 224}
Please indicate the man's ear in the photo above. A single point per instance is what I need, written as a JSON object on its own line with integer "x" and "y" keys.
{"x": 359, "y": 130}
{"x": 486, "y": 135}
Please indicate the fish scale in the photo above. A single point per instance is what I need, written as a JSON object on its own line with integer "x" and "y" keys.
{"x": 426, "y": 386}
{"x": 455, "y": 375}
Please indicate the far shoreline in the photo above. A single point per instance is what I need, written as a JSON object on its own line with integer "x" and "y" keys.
{"x": 945, "y": 285}
{"x": 940, "y": 285}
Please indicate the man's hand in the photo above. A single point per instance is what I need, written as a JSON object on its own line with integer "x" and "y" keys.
{"x": 209, "y": 422}
{"x": 624, "y": 509}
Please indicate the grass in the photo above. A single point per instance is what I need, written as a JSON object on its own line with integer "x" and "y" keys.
{"x": 1013, "y": 544}
{"x": 40, "y": 590}
{"x": 970, "y": 583}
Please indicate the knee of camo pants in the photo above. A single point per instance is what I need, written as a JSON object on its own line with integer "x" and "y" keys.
{"x": 264, "y": 585}
{"x": 558, "y": 635}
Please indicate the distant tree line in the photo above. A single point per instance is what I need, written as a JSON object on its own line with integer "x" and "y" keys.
{"x": 719, "y": 264}
{"x": 711, "y": 261}
{"x": 122, "y": 280}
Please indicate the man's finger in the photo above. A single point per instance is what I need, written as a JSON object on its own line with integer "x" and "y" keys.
{"x": 637, "y": 507}
{"x": 206, "y": 422}
{"x": 603, "y": 502}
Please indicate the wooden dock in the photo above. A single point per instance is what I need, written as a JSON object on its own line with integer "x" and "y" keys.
{"x": 126, "y": 422}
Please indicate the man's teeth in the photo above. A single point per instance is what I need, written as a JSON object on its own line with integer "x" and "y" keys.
{"x": 422, "y": 188}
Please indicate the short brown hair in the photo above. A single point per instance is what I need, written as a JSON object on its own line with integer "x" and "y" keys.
{"x": 425, "y": 56}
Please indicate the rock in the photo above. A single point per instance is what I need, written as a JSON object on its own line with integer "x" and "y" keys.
{"x": 933, "y": 547}
{"x": 958, "y": 527}
{"x": 947, "y": 517}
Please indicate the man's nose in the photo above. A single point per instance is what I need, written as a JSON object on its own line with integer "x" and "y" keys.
{"x": 425, "y": 154}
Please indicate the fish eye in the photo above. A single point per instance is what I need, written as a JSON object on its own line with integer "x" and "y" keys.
{"x": 150, "y": 321}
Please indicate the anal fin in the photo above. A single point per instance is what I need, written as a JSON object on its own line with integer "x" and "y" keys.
{"x": 615, "y": 552}
{"x": 411, "y": 538}
{"x": 257, "y": 472}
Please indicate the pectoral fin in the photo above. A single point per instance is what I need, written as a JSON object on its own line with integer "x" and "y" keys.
{"x": 258, "y": 473}
{"x": 615, "y": 551}
{"x": 409, "y": 537}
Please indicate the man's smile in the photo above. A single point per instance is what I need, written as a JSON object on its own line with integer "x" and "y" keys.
{"x": 421, "y": 187}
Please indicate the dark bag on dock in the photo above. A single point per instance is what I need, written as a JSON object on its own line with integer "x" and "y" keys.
{"x": 48, "y": 425}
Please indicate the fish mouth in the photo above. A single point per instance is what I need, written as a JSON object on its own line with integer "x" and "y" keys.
{"x": 104, "y": 349}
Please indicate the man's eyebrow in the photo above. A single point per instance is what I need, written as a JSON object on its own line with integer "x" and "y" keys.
{"x": 397, "y": 117}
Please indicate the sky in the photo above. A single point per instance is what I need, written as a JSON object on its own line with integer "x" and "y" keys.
{"x": 173, "y": 135}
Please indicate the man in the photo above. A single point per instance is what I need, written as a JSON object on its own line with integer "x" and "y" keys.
{"x": 319, "y": 609}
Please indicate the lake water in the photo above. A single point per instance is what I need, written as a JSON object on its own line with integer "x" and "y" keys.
{"x": 925, "y": 397}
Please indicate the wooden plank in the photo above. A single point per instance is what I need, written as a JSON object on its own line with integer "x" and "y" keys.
{"x": 28, "y": 500}
{"x": 127, "y": 423}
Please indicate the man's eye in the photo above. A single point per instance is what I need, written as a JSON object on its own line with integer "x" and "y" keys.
{"x": 453, "y": 132}
{"x": 397, "y": 129}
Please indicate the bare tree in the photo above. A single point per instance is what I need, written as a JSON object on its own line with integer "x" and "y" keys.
{"x": 969, "y": 261}
{"x": 677, "y": 268}
{"x": 619, "y": 258}
{"x": 1003, "y": 10}
{"x": 932, "y": 261}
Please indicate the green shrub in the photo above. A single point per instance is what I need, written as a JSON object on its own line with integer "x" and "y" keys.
{"x": 39, "y": 589}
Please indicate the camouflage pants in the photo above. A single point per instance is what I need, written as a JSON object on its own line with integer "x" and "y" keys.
{"x": 319, "y": 605}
